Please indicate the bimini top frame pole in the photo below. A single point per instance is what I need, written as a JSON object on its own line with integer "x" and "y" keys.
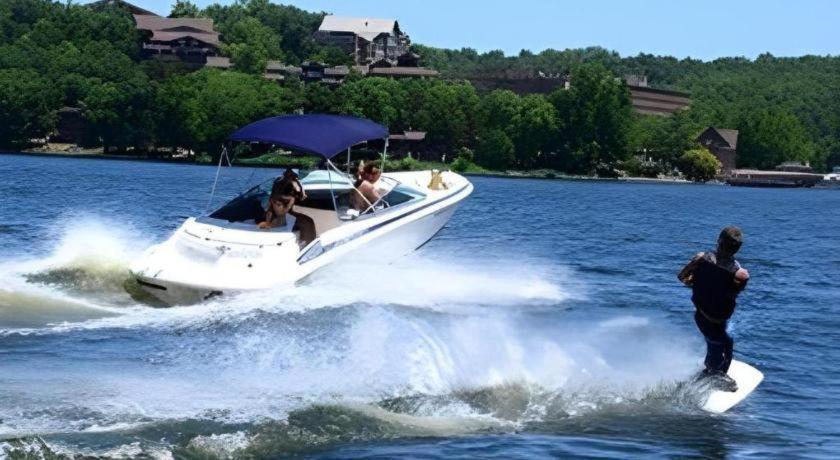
{"x": 222, "y": 156}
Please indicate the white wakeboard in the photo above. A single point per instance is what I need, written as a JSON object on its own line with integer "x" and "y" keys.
{"x": 747, "y": 378}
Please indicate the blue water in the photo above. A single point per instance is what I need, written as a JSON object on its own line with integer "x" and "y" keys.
{"x": 545, "y": 320}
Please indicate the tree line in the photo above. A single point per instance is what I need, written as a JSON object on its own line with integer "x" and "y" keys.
{"x": 784, "y": 107}
{"x": 54, "y": 55}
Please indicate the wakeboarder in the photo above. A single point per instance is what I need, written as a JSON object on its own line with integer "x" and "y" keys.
{"x": 716, "y": 279}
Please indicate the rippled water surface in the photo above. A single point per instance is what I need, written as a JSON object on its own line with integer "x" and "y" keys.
{"x": 544, "y": 320}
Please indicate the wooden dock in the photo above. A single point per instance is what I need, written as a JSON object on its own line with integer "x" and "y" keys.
{"x": 759, "y": 178}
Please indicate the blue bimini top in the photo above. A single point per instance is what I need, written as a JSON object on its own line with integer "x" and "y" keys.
{"x": 319, "y": 134}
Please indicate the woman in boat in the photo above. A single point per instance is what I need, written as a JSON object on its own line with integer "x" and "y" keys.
{"x": 291, "y": 176}
{"x": 285, "y": 192}
{"x": 366, "y": 193}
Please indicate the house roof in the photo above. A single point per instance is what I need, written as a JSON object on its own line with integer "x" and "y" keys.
{"x": 171, "y": 29}
{"x": 146, "y": 22}
{"x": 730, "y": 136}
{"x": 367, "y": 28}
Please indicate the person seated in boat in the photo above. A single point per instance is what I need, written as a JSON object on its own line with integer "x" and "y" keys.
{"x": 366, "y": 193}
{"x": 291, "y": 176}
{"x": 284, "y": 195}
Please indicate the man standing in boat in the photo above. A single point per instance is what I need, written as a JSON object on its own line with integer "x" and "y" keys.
{"x": 716, "y": 279}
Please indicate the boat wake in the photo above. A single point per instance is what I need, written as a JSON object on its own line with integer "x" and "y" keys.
{"x": 502, "y": 409}
{"x": 87, "y": 272}
{"x": 424, "y": 348}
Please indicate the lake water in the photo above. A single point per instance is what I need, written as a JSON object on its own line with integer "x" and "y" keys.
{"x": 545, "y": 320}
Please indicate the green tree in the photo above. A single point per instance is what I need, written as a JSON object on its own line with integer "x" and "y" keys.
{"x": 179, "y": 117}
{"x": 500, "y": 109}
{"x": 699, "y": 165}
{"x": 447, "y": 111}
{"x": 664, "y": 139}
{"x": 379, "y": 99}
{"x": 184, "y": 9}
{"x": 495, "y": 150}
{"x": 537, "y": 128}
{"x": 320, "y": 98}
{"x": 27, "y": 107}
{"x": 768, "y": 138}
{"x": 252, "y": 44}
{"x": 199, "y": 110}
{"x": 80, "y": 24}
{"x": 294, "y": 25}
{"x": 119, "y": 114}
{"x": 596, "y": 116}
{"x": 18, "y": 16}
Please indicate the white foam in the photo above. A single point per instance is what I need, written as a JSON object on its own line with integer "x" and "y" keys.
{"x": 220, "y": 445}
{"x": 87, "y": 244}
{"x": 424, "y": 326}
{"x": 416, "y": 282}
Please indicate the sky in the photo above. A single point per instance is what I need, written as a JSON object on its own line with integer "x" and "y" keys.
{"x": 681, "y": 28}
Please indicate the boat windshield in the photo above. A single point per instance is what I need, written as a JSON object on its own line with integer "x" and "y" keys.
{"x": 325, "y": 191}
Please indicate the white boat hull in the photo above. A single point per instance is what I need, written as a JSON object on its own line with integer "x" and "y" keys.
{"x": 201, "y": 260}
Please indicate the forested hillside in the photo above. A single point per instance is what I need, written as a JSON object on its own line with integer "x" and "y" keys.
{"x": 55, "y": 55}
{"x": 798, "y": 98}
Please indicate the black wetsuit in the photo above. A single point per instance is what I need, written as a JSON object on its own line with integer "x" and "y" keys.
{"x": 714, "y": 291}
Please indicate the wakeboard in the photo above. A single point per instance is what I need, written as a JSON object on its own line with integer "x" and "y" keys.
{"x": 747, "y": 378}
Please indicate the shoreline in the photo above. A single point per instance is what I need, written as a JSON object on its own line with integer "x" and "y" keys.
{"x": 559, "y": 176}
{"x": 502, "y": 175}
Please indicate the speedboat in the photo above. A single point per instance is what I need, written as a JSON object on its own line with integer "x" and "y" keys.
{"x": 226, "y": 252}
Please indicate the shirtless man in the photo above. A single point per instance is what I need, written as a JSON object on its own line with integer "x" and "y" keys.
{"x": 366, "y": 192}
{"x": 716, "y": 279}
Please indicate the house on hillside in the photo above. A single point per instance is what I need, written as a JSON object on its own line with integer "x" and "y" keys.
{"x": 367, "y": 39}
{"x": 277, "y": 71}
{"x": 723, "y": 143}
{"x": 189, "y": 40}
